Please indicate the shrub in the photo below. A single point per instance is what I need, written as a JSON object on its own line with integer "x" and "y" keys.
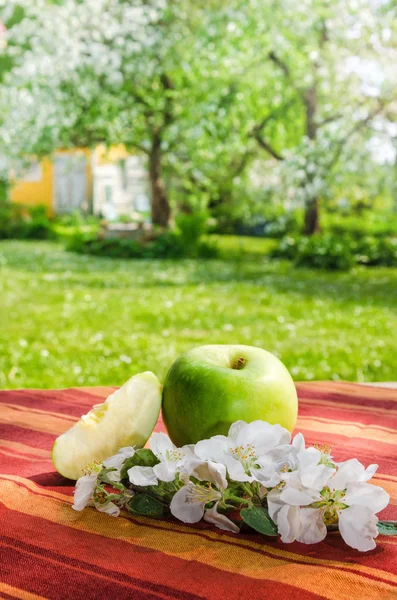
{"x": 373, "y": 251}
{"x": 326, "y": 252}
{"x": 273, "y": 223}
{"x": 170, "y": 244}
{"x": 372, "y": 224}
{"x": 190, "y": 229}
{"x": 331, "y": 252}
{"x": 21, "y": 222}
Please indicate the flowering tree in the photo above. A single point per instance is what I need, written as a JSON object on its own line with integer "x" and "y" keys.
{"x": 334, "y": 63}
{"x": 202, "y": 88}
{"x": 124, "y": 72}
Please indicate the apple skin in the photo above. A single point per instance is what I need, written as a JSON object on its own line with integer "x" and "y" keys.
{"x": 210, "y": 387}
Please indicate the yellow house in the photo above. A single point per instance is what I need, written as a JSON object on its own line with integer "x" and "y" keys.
{"x": 103, "y": 180}
{"x": 61, "y": 183}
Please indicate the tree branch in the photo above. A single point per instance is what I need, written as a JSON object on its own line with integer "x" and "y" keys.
{"x": 356, "y": 127}
{"x": 330, "y": 119}
{"x": 266, "y": 146}
{"x": 238, "y": 167}
{"x": 167, "y": 87}
{"x": 285, "y": 70}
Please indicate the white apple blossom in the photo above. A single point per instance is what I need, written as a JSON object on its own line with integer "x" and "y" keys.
{"x": 109, "y": 508}
{"x": 171, "y": 460}
{"x": 243, "y": 450}
{"x": 302, "y": 512}
{"x": 188, "y": 504}
{"x": 117, "y": 461}
{"x": 84, "y": 491}
{"x": 85, "y": 488}
{"x": 352, "y": 470}
{"x": 221, "y": 521}
{"x": 304, "y": 489}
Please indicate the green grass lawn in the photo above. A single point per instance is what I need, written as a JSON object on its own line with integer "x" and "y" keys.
{"x": 71, "y": 320}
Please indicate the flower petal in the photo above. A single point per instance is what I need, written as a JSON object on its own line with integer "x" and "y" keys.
{"x": 267, "y": 473}
{"x": 116, "y": 462}
{"x": 348, "y": 471}
{"x": 370, "y": 472}
{"x": 262, "y": 436}
{"x": 365, "y": 494}
{"x": 299, "y": 442}
{"x": 142, "y": 476}
{"x": 299, "y": 497}
{"x": 313, "y": 528}
{"x": 160, "y": 443}
{"x": 84, "y": 490}
{"x": 280, "y": 455}
{"x": 235, "y": 430}
{"x": 207, "y": 471}
{"x": 274, "y": 503}
{"x": 215, "y": 448}
{"x": 165, "y": 470}
{"x": 358, "y": 527}
{"x": 109, "y": 508}
{"x": 221, "y": 521}
{"x": 118, "y": 459}
{"x": 316, "y": 477}
{"x": 237, "y": 472}
{"x": 188, "y": 451}
{"x": 309, "y": 457}
{"x": 288, "y": 523}
{"x": 183, "y": 508}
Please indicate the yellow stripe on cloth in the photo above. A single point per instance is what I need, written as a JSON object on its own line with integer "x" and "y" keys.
{"x": 243, "y": 557}
{"x": 23, "y": 449}
{"x": 351, "y": 430}
{"x": 39, "y": 411}
{"x": 26, "y": 419}
{"x": 18, "y": 593}
{"x": 350, "y": 407}
{"x": 22, "y": 456}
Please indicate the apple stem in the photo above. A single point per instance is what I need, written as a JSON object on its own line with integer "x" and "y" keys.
{"x": 239, "y": 363}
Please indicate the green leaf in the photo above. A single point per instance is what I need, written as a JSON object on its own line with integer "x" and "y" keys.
{"x": 258, "y": 518}
{"x": 387, "y": 527}
{"x": 143, "y": 504}
{"x": 142, "y": 458}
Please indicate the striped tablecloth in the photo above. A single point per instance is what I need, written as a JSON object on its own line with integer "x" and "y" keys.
{"x": 47, "y": 550}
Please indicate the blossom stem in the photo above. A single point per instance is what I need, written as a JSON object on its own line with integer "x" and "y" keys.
{"x": 246, "y": 489}
{"x": 238, "y": 500}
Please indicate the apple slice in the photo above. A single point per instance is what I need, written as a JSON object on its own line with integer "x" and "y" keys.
{"x": 126, "y": 418}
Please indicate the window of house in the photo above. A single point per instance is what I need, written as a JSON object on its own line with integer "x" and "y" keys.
{"x": 33, "y": 172}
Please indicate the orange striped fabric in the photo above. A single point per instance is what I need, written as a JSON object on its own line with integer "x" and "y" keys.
{"x": 47, "y": 550}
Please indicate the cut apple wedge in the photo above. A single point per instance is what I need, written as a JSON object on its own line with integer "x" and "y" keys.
{"x": 126, "y": 418}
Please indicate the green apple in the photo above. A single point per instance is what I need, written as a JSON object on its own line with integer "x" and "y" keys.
{"x": 210, "y": 387}
{"x": 126, "y": 418}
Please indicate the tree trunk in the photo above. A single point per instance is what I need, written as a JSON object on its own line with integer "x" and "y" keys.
{"x": 312, "y": 206}
{"x": 160, "y": 205}
{"x": 312, "y": 217}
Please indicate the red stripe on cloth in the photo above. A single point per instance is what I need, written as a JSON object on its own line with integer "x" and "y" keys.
{"x": 146, "y": 570}
{"x": 37, "y": 439}
{"x": 332, "y": 549}
{"x": 95, "y": 571}
{"x": 185, "y": 578}
{"x": 55, "y": 580}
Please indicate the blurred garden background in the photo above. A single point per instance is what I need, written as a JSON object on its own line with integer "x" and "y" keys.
{"x": 182, "y": 173}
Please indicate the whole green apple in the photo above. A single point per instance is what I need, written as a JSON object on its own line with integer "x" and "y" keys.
{"x": 210, "y": 387}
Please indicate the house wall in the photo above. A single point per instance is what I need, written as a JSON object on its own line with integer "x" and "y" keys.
{"x": 35, "y": 193}
{"x": 32, "y": 192}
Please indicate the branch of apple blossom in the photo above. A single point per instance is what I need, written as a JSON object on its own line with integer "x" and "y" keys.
{"x": 254, "y": 477}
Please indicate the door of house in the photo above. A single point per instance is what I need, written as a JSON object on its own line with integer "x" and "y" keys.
{"x": 70, "y": 183}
